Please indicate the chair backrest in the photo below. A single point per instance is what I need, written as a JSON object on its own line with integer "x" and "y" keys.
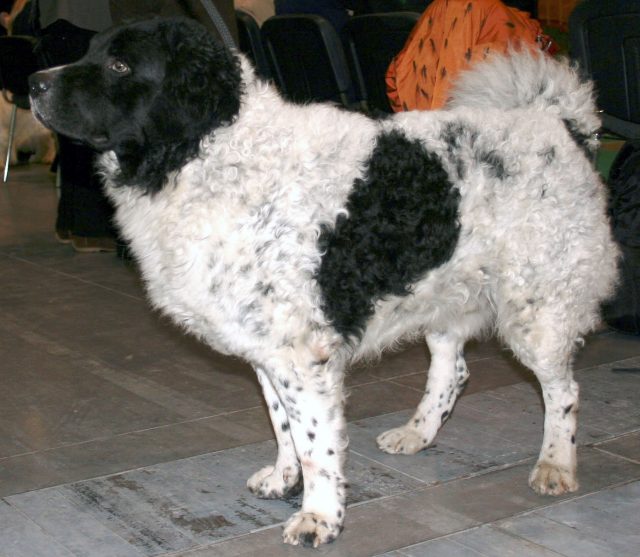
{"x": 373, "y": 40}
{"x": 419, "y": 6}
{"x": 381, "y": 6}
{"x": 530, "y": 6}
{"x": 250, "y": 42}
{"x": 604, "y": 38}
{"x": 17, "y": 63}
{"x": 307, "y": 58}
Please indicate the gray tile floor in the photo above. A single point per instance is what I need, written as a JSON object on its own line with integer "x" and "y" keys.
{"x": 121, "y": 437}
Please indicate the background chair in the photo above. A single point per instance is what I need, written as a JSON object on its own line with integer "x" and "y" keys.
{"x": 604, "y": 37}
{"x": 17, "y": 62}
{"x": 373, "y": 40}
{"x": 307, "y": 59}
{"x": 530, "y": 6}
{"x": 382, "y": 6}
{"x": 250, "y": 43}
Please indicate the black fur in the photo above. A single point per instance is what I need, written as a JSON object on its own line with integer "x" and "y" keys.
{"x": 456, "y": 135}
{"x": 402, "y": 221}
{"x": 181, "y": 84}
{"x": 579, "y": 137}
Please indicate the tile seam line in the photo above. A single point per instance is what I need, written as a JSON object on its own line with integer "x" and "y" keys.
{"x": 516, "y": 515}
{"x": 425, "y": 486}
{"x": 73, "y": 277}
{"x": 124, "y": 434}
{"x": 420, "y": 488}
{"x": 36, "y": 524}
{"x": 626, "y": 458}
{"x": 202, "y": 547}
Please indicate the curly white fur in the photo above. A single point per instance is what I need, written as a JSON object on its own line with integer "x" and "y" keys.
{"x": 229, "y": 249}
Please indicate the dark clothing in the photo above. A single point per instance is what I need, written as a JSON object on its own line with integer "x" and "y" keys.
{"x": 87, "y": 14}
{"x": 83, "y": 209}
{"x": 123, "y": 10}
{"x": 22, "y": 23}
{"x": 333, "y": 11}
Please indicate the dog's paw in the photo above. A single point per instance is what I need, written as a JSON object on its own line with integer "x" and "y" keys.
{"x": 401, "y": 440}
{"x": 549, "y": 479}
{"x": 272, "y": 483}
{"x": 310, "y": 530}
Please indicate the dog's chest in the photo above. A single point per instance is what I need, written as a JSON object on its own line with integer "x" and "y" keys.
{"x": 219, "y": 270}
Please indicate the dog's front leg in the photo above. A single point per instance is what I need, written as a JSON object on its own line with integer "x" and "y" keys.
{"x": 313, "y": 400}
{"x": 282, "y": 479}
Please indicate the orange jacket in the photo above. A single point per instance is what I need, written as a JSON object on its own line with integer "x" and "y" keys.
{"x": 450, "y": 35}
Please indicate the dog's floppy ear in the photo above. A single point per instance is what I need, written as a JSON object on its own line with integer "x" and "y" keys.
{"x": 199, "y": 91}
{"x": 202, "y": 79}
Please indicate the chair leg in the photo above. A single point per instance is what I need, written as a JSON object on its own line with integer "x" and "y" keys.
{"x": 12, "y": 129}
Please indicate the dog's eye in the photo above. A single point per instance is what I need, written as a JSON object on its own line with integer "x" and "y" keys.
{"x": 119, "y": 67}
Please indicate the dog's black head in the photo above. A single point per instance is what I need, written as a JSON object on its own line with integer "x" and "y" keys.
{"x": 149, "y": 91}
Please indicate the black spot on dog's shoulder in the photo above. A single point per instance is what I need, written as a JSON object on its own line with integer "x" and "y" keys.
{"x": 402, "y": 222}
{"x": 264, "y": 289}
{"x": 494, "y": 163}
{"x": 548, "y": 154}
{"x": 457, "y": 135}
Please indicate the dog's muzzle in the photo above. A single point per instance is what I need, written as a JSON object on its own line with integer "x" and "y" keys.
{"x": 39, "y": 84}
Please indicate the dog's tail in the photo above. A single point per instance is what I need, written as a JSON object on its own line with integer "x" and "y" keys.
{"x": 528, "y": 79}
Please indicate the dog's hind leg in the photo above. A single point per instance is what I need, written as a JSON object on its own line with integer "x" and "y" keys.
{"x": 282, "y": 479}
{"x": 448, "y": 375}
{"x": 543, "y": 346}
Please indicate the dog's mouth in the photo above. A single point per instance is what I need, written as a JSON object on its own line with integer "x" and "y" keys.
{"x": 38, "y": 114}
{"x": 99, "y": 141}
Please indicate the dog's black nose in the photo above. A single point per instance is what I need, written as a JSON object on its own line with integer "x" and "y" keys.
{"x": 39, "y": 83}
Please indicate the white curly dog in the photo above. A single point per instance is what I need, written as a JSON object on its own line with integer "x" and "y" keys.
{"x": 303, "y": 237}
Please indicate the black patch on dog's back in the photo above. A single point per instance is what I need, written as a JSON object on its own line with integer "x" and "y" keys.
{"x": 402, "y": 221}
